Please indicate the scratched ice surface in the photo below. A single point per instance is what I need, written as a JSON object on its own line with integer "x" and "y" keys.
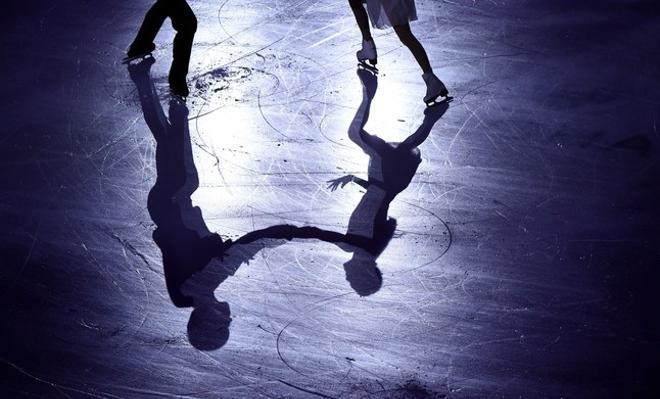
{"x": 524, "y": 259}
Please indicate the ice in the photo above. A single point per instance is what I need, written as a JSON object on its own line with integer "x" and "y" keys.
{"x": 524, "y": 258}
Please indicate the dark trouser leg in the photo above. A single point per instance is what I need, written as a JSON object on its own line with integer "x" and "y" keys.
{"x": 409, "y": 40}
{"x": 185, "y": 24}
{"x": 361, "y": 17}
{"x": 153, "y": 20}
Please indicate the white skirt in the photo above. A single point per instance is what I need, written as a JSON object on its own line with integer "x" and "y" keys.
{"x": 387, "y": 13}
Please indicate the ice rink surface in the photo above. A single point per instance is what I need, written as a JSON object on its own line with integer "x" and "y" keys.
{"x": 524, "y": 262}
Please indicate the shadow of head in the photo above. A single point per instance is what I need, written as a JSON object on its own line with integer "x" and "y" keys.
{"x": 208, "y": 326}
{"x": 209, "y": 322}
{"x": 363, "y": 274}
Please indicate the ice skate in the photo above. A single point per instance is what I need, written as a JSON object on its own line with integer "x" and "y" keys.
{"x": 368, "y": 53}
{"x": 135, "y": 53}
{"x": 434, "y": 89}
{"x": 179, "y": 89}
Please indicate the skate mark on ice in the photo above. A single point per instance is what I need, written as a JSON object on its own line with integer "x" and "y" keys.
{"x": 449, "y": 238}
{"x": 305, "y": 390}
{"x": 278, "y": 131}
{"x": 304, "y": 313}
{"x": 56, "y": 386}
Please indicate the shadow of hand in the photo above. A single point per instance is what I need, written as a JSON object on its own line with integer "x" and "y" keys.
{"x": 342, "y": 181}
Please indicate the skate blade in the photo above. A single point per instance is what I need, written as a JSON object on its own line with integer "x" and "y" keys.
{"x": 438, "y": 100}
{"x": 368, "y": 67}
{"x": 139, "y": 58}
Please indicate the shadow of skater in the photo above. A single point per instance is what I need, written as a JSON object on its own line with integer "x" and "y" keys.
{"x": 185, "y": 24}
{"x": 391, "y": 169}
{"x": 181, "y": 234}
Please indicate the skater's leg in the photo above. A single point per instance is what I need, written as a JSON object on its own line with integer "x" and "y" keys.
{"x": 409, "y": 40}
{"x": 368, "y": 50}
{"x": 362, "y": 19}
{"x": 185, "y": 24}
{"x": 153, "y": 20}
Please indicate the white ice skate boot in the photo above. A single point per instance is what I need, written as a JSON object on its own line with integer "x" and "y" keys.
{"x": 434, "y": 89}
{"x": 368, "y": 53}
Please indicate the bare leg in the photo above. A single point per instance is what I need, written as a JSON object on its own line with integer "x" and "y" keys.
{"x": 362, "y": 18}
{"x": 409, "y": 40}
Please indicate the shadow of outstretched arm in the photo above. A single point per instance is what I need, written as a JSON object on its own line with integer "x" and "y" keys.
{"x": 347, "y": 242}
{"x": 361, "y": 270}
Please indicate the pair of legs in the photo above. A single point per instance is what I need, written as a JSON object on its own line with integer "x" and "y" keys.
{"x": 403, "y": 32}
{"x": 185, "y": 24}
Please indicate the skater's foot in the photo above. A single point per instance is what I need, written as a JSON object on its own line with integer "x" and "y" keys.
{"x": 434, "y": 88}
{"x": 368, "y": 53}
{"x": 179, "y": 88}
{"x": 135, "y": 52}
